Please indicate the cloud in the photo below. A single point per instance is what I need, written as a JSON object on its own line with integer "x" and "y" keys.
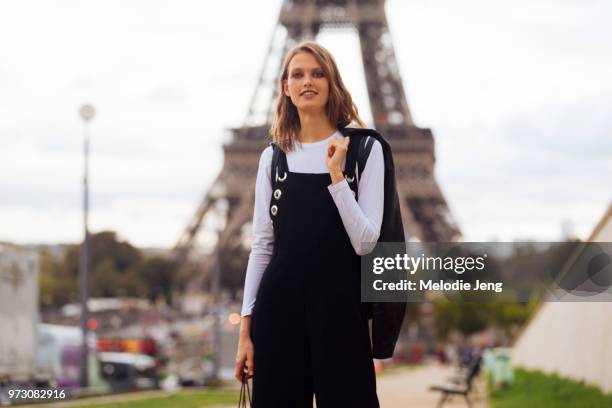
{"x": 580, "y": 129}
{"x": 167, "y": 94}
{"x": 516, "y": 93}
{"x": 529, "y": 172}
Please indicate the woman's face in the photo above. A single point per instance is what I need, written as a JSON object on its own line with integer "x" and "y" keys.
{"x": 306, "y": 84}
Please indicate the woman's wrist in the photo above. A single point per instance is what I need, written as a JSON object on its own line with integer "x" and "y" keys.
{"x": 245, "y": 325}
{"x": 336, "y": 176}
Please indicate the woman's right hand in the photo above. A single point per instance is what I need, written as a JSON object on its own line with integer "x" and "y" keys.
{"x": 245, "y": 350}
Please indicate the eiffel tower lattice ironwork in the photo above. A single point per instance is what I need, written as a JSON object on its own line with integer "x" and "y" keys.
{"x": 424, "y": 209}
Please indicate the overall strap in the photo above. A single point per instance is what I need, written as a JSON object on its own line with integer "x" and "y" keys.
{"x": 279, "y": 167}
{"x": 356, "y": 158}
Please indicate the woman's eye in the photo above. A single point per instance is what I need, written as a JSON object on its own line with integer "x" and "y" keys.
{"x": 318, "y": 74}
{"x": 296, "y": 74}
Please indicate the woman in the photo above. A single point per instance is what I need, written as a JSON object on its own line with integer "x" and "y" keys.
{"x": 304, "y": 330}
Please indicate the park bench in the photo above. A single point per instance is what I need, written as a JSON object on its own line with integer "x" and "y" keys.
{"x": 460, "y": 385}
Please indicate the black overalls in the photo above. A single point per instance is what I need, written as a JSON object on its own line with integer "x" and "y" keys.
{"x": 309, "y": 328}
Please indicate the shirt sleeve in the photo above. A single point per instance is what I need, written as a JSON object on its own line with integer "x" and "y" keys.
{"x": 262, "y": 244}
{"x": 362, "y": 218}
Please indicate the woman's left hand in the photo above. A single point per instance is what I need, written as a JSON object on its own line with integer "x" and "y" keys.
{"x": 336, "y": 152}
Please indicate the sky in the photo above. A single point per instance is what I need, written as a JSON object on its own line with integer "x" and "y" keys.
{"x": 518, "y": 95}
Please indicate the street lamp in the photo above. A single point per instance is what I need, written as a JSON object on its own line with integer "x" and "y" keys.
{"x": 87, "y": 113}
{"x": 217, "y": 193}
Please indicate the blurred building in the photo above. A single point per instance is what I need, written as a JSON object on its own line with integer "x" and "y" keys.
{"x": 572, "y": 339}
{"x": 19, "y": 268}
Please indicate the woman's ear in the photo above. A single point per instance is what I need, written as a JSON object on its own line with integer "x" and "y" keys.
{"x": 285, "y": 87}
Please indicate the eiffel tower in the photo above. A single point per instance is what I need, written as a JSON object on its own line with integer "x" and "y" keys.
{"x": 424, "y": 210}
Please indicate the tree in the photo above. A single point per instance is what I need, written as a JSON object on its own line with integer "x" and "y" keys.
{"x": 116, "y": 270}
{"x": 56, "y": 286}
{"x": 159, "y": 275}
{"x": 471, "y": 317}
{"x": 465, "y": 317}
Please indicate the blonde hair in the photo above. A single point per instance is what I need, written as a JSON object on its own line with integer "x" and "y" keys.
{"x": 341, "y": 111}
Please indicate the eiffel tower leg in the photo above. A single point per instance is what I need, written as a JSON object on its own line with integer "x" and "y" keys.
{"x": 229, "y": 240}
{"x": 385, "y": 88}
{"x": 187, "y": 240}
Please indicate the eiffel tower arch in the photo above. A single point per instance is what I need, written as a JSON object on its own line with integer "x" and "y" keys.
{"x": 425, "y": 212}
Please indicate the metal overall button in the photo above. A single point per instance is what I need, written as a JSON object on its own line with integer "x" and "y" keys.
{"x": 349, "y": 179}
{"x": 274, "y": 210}
{"x": 277, "y": 193}
{"x": 281, "y": 178}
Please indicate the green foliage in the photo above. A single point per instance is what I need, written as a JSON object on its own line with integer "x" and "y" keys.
{"x": 57, "y": 287}
{"x": 117, "y": 269}
{"x": 462, "y": 315}
{"x": 159, "y": 274}
{"x": 182, "y": 399}
{"x": 471, "y": 317}
{"x": 535, "y": 389}
{"x": 105, "y": 279}
{"x": 465, "y": 317}
{"x": 510, "y": 314}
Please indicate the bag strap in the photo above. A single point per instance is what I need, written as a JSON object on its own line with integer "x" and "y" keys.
{"x": 364, "y": 152}
{"x": 351, "y": 157}
{"x": 245, "y": 393}
{"x": 359, "y": 154}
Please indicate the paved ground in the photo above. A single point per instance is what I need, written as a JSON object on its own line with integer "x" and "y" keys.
{"x": 410, "y": 389}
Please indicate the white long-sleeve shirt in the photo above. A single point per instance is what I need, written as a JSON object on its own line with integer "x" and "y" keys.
{"x": 361, "y": 218}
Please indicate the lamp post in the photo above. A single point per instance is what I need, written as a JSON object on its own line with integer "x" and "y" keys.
{"x": 216, "y": 311}
{"x": 87, "y": 113}
{"x": 218, "y": 192}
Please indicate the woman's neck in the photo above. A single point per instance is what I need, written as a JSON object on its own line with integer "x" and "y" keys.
{"x": 314, "y": 128}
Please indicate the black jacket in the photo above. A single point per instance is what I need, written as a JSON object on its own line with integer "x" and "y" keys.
{"x": 387, "y": 317}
